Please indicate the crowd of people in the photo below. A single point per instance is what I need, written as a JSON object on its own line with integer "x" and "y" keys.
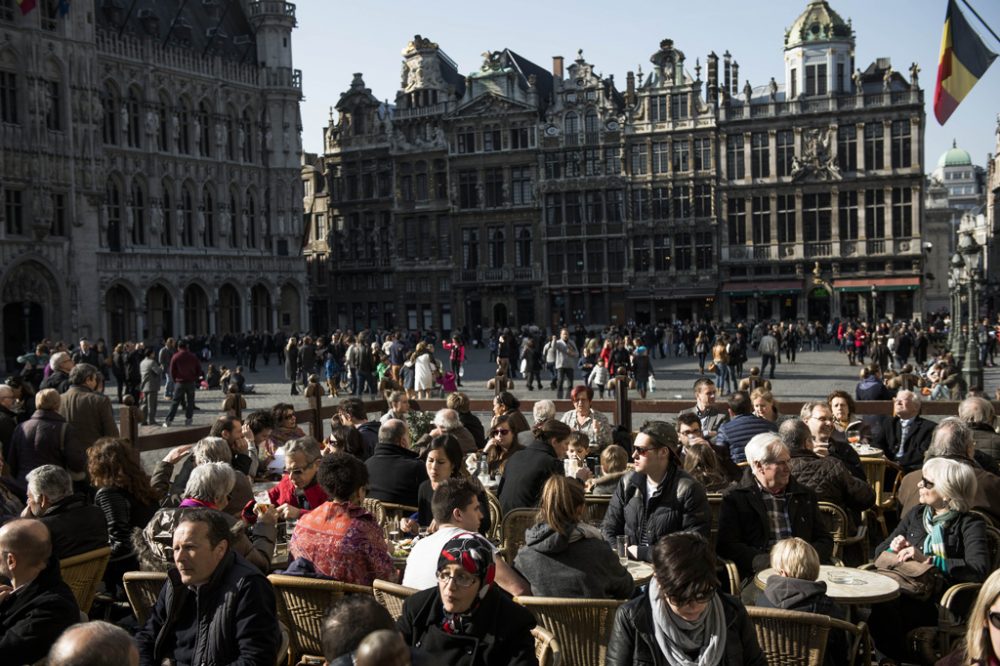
{"x": 70, "y": 484}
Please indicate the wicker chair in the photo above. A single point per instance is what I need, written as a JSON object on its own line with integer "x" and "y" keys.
{"x": 546, "y": 647}
{"x": 792, "y": 638}
{"x": 143, "y": 589}
{"x": 391, "y": 596}
{"x": 374, "y": 507}
{"x": 83, "y": 573}
{"x": 596, "y": 507}
{"x": 875, "y": 470}
{"x": 515, "y": 523}
{"x": 837, "y": 523}
{"x": 715, "y": 504}
{"x": 582, "y": 626}
{"x": 496, "y": 516}
{"x": 393, "y": 512}
{"x": 302, "y": 605}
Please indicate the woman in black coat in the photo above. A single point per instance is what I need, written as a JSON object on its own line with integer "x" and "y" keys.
{"x": 681, "y": 613}
{"x": 292, "y": 364}
{"x": 940, "y": 530}
{"x": 466, "y": 620}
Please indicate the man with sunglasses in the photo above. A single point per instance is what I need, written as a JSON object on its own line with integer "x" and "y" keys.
{"x": 768, "y": 506}
{"x": 298, "y": 491}
{"x": 659, "y": 499}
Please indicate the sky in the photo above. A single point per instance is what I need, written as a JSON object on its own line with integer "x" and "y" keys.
{"x": 334, "y": 39}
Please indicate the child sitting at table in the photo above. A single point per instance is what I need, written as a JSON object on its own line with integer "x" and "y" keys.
{"x": 614, "y": 467}
{"x": 576, "y": 457}
{"x": 794, "y": 587}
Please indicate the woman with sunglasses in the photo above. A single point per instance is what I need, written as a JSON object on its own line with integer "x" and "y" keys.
{"x": 286, "y": 428}
{"x": 683, "y": 618}
{"x": 501, "y": 445}
{"x": 941, "y": 531}
{"x": 505, "y": 404}
{"x": 982, "y": 633}
{"x": 465, "y": 620}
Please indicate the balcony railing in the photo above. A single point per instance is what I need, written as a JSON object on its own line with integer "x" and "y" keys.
{"x": 761, "y": 251}
{"x": 875, "y": 246}
{"x": 819, "y": 249}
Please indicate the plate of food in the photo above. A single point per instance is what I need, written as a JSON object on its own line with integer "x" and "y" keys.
{"x": 401, "y": 549}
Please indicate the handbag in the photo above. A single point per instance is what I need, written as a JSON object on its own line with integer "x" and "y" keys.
{"x": 917, "y": 579}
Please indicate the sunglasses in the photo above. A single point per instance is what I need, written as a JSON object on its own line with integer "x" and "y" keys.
{"x": 994, "y": 619}
{"x": 643, "y": 450}
{"x": 699, "y": 598}
{"x": 500, "y": 431}
{"x": 926, "y": 483}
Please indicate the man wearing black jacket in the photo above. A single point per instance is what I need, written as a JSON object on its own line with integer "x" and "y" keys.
{"x": 905, "y": 436}
{"x": 394, "y": 471}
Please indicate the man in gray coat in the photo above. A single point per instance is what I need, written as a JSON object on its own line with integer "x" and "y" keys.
{"x": 566, "y": 359}
{"x": 88, "y": 411}
{"x": 151, "y": 372}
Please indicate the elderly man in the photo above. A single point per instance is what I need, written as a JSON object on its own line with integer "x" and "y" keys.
{"x": 827, "y": 476}
{"x": 660, "y": 498}
{"x": 742, "y": 426}
{"x": 215, "y": 607}
{"x": 460, "y": 403}
{"x": 61, "y": 365}
{"x": 45, "y": 438}
{"x": 37, "y": 606}
{"x": 768, "y": 506}
{"x": 955, "y": 440}
{"x": 298, "y": 491}
{"x": 206, "y": 450}
{"x": 86, "y": 410}
{"x": 399, "y": 407}
{"x": 706, "y": 410}
{"x": 446, "y": 422}
{"x": 394, "y": 471}
{"x": 826, "y": 441}
{"x": 905, "y": 436}
{"x": 978, "y": 414}
{"x": 75, "y": 525}
{"x": 95, "y": 643}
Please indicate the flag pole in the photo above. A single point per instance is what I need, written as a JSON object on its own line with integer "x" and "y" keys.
{"x": 985, "y": 24}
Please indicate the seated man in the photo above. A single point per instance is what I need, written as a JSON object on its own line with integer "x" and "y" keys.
{"x": 75, "y": 525}
{"x": 37, "y": 606}
{"x": 399, "y": 407}
{"x": 953, "y": 439}
{"x": 349, "y": 620}
{"x": 208, "y": 449}
{"x": 215, "y": 607}
{"x": 742, "y": 425}
{"x": 660, "y": 498}
{"x": 456, "y": 510}
{"x": 905, "y": 436}
{"x": 351, "y": 412}
{"x": 298, "y": 491}
{"x": 826, "y": 440}
{"x": 94, "y": 643}
{"x": 543, "y": 410}
{"x": 460, "y": 403}
{"x": 446, "y": 422}
{"x": 768, "y": 506}
{"x": 527, "y": 470}
{"x": 394, "y": 471}
{"x": 706, "y": 410}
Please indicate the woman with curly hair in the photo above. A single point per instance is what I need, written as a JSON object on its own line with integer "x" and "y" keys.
{"x": 126, "y": 497}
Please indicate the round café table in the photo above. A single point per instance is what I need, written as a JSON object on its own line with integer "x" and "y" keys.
{"x": 847, "y": 586}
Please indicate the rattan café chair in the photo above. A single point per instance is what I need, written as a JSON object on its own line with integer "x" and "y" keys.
{"x": 391, "y": 596}
{"x": 582, "y": 626}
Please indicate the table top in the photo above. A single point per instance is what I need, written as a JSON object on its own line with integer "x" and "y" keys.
{"x": 641, "y": 571}
{"x": 847, "y": 585}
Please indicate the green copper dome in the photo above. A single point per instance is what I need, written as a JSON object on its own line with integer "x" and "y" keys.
{"x": 818, "y": 23}
{"x": 955, "y": 157}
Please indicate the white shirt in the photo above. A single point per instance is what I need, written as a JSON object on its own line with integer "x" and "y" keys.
{"x": 421, "y": 565}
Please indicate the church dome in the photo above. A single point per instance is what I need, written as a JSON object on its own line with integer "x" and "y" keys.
{"x": 818, "y": 23}
{"x": 955, "y": 157}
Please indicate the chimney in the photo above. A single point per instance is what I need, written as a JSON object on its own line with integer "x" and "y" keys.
{"x": 630, "y": 89}
{"x": 713, "y": 71}
{"x": 726, "y": 71}
{"x": 736, "y": 78}
{"x": 557, "y": 67}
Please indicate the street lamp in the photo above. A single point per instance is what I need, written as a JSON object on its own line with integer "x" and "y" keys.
{"x": 956, "y": 281}
{"x": 972, "y": 371}
{"x": 874, "y": 305}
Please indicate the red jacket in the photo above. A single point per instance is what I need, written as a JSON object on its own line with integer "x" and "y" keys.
{"x": 185, "y": 367}
{"x": 284, "y": 493}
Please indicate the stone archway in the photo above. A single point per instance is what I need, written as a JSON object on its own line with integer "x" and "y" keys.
{"x": 195, "y": 311}
{"x": 31, "y": 301}
{"x": 119, "y": 308}
{"x": 290, "y": 309}
{"x": 260, "y": 308}
{"x": 229, "y": 311}
{"x": 159, "y": 313}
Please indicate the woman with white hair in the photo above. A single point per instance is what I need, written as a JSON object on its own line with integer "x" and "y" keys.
{"x": 942, "y": 532}
{"x": 209, "y": 486}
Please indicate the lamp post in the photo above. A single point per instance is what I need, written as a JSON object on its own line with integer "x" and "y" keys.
{"x": 972, "y": 371}
{"x": 875, "y": 305}
{"x": 956, "y": 281}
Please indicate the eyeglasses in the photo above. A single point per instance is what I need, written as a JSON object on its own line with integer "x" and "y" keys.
{"x": 994, "y": 619}
{"x": 928, "y": 484}
{"x": 461, "y": 580}
{"x": 698, "y": 598}
{"x": 643, "y": 450}
{"x": 500, "y": 431}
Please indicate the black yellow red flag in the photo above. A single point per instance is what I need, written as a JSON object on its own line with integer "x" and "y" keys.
{"x": 963, "y": 61}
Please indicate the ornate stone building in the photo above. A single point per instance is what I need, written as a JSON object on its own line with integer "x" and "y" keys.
{"x": 563, "y": 199}
{"x": 149, "y": 171}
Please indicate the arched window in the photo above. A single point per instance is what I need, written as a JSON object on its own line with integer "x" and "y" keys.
{"x": 131, "y": 116}
{"x": 590, "y": 124}
{"x": 138, "y": 214}
{"x": 234, "y": 221}
{"x": 110, "y": 104}
{"x": 167, "y": 233}
{"x": 522, "y": 247}
{"x": 251, "y": 222}
{"x": 10, "y": 84}
{"x": 208, "y": 210}
{"x": 183, "y": 129}
{"x": 163, "y": 124}
{"x": 268, "y": 231}
{"x": 187, "y": 217}
{"x": 204, "y": 131}
{"x": 245, "y": 137}
{"x": 572, "y": 124}
{"x": 54, "y": 103}
{"x": 114, "y": 212}
{"x": 231, "y": 136}
{"x": 496, "y": 247}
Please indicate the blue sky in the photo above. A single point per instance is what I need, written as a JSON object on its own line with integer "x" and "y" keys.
{"x": 336, "y": 39}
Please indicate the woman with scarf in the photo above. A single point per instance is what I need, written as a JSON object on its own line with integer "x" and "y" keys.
{"x": 286, "y": 428}
{"x": 466, "y": 620}
{"x": 942, "y": 532}
{"x": 683, "y": 619}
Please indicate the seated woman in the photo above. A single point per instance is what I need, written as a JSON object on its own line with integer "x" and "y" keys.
{"x": 209, "y": 486}
{"x": 614, "y": 467}
{"x": 584, "y": 418}
{"x": 443, "y": 459}
{"x": 843, "y": 408}
{"x": 683, "y": 618}
{"x": 940, "y": 530}
{"x": 466, "y": 620}
{"x": 560, "y": 541}
{"x": 982, "y": 633}
{"x": 340, "y": 538}
{"x": 795, "y": 588}
{"x": 702, "y": 463}
{"x": 345, "y": 439}
{"x": 764, "y": 405}
{"x": 501, "y": 445}
{"x": 505, "y": 404}
{"x": 286, "y": 428}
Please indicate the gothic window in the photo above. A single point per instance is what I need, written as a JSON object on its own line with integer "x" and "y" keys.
{"x": 761, "y": 222}
{"x": 59, "y": 215}
{"x": 497, "y": 240}
{"x": 234, "y": 219}
{"x": 816, "y": 217}
{"x": 760, "y": 155}
{"x": 167, "y": 234}
{"x": 13, "y": 204}
{"x": 784, "y": 142}
{"x": 110, "y": 104}
{"x": 522, "y": 245}
{"x": 847, "y": 148}
{"x": 187, "y": 217}
{"x": 470, "y": 249}
{"x": 8, "y": 97}
{"x": 571, "y": 124}
{"x": 232, "y": 133}
{"x": 184, "y": 129}
{"x": 735, "y": 166}
{"x": 132, "y": 115}
{"x": 114, "y": 210}
{"x": 208, "y": 210}
{"x": 902, "y": 212}
{"x": 246, "y": 131}
{"x": 900, "y": 144}
{"x": 204, "y": 131}
{"x": 163, "y": 125}
{"x": 420, "y": 181}
{"x": 53, "y": 119}
{"x": 737, "y": 208}
{"x": 847, "y": 207}
{"x": 139, "y": 219}
{"x": 251, "y": 214}
{"x": 874, "y": 214}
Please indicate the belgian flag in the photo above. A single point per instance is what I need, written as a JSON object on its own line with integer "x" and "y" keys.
{"x": 26, "y": 5}
{"x": 963, "y": 61}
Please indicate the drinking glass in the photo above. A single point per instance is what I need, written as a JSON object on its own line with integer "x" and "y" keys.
{"x": 621, "y": 546}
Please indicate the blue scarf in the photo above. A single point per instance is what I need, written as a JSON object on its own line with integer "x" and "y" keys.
{"x": 934, "y": 543}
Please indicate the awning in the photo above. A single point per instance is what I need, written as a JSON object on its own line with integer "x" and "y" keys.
{"x": 911, "y": 283}
{"x": 763, "y": 288}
